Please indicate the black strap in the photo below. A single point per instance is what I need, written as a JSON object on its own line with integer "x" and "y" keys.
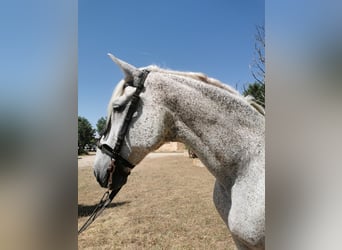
{"x": 119, "y": 159}
{"x": 131, "y": 110}
{"x": 104, "y": 202}
{"x": 114, "y": 153}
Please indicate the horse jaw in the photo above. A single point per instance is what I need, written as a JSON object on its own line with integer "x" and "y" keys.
{"x": 129, "y": 70}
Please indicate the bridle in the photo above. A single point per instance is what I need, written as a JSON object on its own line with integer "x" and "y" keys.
{"x": 118, "y": 164}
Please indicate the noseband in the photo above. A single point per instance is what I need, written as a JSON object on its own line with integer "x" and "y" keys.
{"x": 118, "y": 163}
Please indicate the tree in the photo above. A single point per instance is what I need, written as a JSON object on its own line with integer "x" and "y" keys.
{"x": 258, "y": 65}
{"x": 85, "y": 134}
{"x": 257, "y": 89}
{"x": 101, "y": 125}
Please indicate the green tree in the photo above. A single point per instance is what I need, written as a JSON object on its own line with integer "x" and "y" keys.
{"x": 86, "y": 134}
{"x": 257, "y": 90}
{"x": 101, "y": 125}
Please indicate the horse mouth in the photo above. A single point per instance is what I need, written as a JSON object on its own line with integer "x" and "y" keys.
{"x": 103, "y": 182}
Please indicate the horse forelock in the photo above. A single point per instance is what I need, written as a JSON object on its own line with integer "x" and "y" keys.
{"x": 117, "y": 92}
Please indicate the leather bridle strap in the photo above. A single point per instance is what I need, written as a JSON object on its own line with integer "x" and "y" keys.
{"x": 114, "y": 153}
{"x": 104, "y": 202}
{"x": 109, "y": 151}
{"x": 131, "y": 110}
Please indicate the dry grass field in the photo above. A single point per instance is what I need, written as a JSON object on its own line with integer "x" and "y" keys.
{"x": 166, "y": 204}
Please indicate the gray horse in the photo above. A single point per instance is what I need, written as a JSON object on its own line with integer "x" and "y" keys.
{"x": 225, "y": 129}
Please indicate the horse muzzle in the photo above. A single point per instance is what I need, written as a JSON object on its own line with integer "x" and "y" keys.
{"x": 117, "y": 174}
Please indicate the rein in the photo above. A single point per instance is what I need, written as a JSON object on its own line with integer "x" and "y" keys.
{"x": 104, "y": 202}
{"x": 118, "y": 163}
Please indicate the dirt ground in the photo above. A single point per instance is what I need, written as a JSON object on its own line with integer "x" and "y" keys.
{"x": 166, "y": 204}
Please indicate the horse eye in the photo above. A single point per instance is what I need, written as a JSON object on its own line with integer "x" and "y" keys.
{"x": 119, "y": 108}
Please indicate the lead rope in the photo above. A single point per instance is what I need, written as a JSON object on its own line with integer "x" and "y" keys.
{"x": 104, "y": 202}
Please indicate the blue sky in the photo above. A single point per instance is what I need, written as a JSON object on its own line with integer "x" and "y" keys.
{"x": 214, "y": 37}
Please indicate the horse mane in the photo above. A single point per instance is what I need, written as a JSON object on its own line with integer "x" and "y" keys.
{"x": 118, "y": 91}
{"x": 212, "y": 81}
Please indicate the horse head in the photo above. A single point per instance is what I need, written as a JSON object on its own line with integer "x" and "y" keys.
{"x": 134, "y": 127}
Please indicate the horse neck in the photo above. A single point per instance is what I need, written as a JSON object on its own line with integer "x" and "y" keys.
{"x": 220, "y": 127}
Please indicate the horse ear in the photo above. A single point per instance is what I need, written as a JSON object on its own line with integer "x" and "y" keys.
{"x": 129, "y": 70}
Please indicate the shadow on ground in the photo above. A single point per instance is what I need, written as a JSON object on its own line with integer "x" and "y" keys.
{"x": 86, "y": 210}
